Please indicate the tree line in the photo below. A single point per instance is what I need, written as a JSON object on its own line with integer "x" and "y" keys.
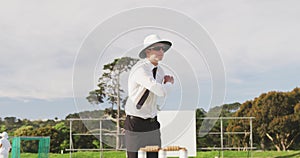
{"x": 276, "y": 125}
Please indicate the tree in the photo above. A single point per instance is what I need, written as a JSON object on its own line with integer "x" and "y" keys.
{"x": 10, "y": 122}
{"x": 226, "y": 110}
{"x": 57, "y": 137}
{"x": 27, "y": 146}
{"x": 109, "y": 87}
{"x": 24, "y": 131}
{"x": 76, "y": 125}
{"x": 276, "y": 118}
{"x": 64, "y": 136}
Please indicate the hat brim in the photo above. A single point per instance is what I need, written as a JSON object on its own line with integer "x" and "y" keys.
{"x": 142, "y": 54}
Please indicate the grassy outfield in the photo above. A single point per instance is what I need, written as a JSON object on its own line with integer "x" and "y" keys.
{"x": 209, "y": 154}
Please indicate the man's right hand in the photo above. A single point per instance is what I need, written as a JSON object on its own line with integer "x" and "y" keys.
{"x": 168, "y": 78}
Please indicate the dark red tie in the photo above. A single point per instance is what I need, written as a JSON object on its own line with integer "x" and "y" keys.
{"x": 146, "y": 94}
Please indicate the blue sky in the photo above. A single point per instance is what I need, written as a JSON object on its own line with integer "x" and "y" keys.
{"x": 257, "y": 40}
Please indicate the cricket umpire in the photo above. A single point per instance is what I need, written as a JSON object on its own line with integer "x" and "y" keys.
{"x": 147, "y": 81}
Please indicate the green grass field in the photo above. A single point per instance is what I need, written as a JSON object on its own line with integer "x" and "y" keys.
{"x": 210, "y": 154}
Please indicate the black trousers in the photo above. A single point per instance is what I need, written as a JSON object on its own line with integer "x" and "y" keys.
{"x": 140, "y": 133}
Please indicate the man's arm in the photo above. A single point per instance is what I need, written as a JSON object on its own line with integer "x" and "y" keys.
{"x": 146, "y": 80}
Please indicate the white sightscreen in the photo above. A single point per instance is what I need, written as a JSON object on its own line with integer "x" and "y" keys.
{"x": 178, "y": 128}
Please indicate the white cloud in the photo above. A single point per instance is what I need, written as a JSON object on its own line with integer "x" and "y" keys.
{"x": 39, "y": 40}
{"x": 254, "y": 36}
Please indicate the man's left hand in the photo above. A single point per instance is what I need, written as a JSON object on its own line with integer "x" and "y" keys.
{"x": 168, "y": 78}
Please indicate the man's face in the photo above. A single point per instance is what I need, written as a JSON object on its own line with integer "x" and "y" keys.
{"x": 156, "y": 52}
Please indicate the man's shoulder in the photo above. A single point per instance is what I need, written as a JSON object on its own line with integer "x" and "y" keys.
{"x": 142, "y": 64}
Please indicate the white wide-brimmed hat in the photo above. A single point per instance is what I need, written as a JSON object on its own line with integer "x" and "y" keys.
{"x": 4, "y": 135}
{"x": 150, "y": 40}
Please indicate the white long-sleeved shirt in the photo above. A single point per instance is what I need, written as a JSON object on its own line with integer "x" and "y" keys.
{"x": 140, "y": 79}
{"x": 4, "y": 150}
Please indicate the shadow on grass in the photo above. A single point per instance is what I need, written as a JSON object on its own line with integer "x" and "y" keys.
{"x": 289, "y": 156}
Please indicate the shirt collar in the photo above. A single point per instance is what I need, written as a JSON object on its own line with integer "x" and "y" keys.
{"x": 150, "y": 64}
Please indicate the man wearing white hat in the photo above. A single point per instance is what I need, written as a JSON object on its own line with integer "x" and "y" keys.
{"x": 4, "y": 145}
{"x": 147, "y": 81}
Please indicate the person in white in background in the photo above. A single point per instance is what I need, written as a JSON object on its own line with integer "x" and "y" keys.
{"x": 4, "y": 145}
